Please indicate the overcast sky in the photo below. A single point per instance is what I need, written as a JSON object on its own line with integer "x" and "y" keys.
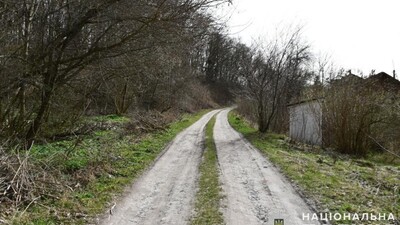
{"x": 358, "y": 34}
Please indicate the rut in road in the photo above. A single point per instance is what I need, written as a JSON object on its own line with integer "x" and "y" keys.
{"x": 165, "y": 194}
{"x": 256, "y": 193}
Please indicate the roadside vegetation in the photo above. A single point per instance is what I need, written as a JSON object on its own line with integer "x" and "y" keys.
{"x": 337, "y": 183}
{"x": 66, "y": 64}
{"x": 207, "y": 208}
{"x": 84, "y": 173}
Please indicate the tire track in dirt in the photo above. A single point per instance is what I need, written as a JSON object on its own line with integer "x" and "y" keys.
{"x": 256, "y": 193}
{"x": 165, "y": 194}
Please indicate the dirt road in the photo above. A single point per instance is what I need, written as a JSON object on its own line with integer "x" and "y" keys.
{"x": 255, "y": 191}
{"x": 165, "y": 194}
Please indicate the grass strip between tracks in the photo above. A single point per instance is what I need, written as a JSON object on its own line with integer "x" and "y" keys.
{"x": 209, "y": 195}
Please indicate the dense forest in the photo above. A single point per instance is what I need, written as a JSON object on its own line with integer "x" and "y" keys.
{"x": 64, "y": 59}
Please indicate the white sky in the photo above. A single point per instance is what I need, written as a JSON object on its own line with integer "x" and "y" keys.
{"x": 358, "y": 34}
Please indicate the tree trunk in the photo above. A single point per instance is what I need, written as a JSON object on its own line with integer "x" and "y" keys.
{"x": 262, "y": 127}
{"x": 37, "y": 122}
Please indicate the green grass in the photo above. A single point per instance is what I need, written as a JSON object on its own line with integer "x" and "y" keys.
{"x": 344, "y": 187}
{"x": 93, "y": 169}
{"x": 209, "y": 196}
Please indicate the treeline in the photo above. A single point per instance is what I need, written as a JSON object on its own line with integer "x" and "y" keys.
{"x": 263, "y": 77}
{"x": 358, "y": 116}
{"x": 60, "y": 60}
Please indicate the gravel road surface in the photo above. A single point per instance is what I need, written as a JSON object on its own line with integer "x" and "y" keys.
{"x": 256, "y": 193}
{"x": 165, "y": 194}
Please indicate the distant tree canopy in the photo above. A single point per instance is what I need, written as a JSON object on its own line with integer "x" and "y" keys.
{"x": 225, "y": 64}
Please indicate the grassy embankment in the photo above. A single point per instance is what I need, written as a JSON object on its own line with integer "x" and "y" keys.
{"x": 209, "y": 196}
{"x": 347, "y": 186}
{"x": 93, "y": 169}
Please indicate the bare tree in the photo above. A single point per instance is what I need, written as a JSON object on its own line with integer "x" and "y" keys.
{"x": 277, "y": 69}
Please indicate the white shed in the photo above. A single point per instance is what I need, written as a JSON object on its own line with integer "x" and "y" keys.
{"x": 306, "y": 122}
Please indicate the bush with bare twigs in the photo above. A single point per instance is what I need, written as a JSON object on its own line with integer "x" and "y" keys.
{"x": 359, "y": 117}
{"x": 144, "y": 122}
{"x": 23, "y": 181}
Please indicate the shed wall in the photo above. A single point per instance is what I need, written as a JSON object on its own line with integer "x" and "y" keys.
{"x": 305, "y": 122}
